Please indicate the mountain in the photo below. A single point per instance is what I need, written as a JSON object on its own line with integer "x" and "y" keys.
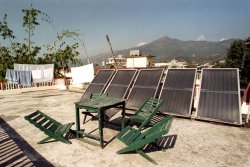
{"x": 167, "y": 48}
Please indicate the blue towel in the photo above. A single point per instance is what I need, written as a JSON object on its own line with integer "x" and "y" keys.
{"x": 12, "y": 76}
{"x": 25, "y": 78}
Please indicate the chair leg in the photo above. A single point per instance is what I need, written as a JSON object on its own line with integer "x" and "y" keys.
{"x": 62, "y": 139}
{"x": 84, "y": 119}
{"x": 146, "y": 156}
{"x": 44, "y": 140}
{"x": 85, "y": 116}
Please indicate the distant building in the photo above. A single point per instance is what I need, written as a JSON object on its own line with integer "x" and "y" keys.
{"x": 161, "y": 64}
{"x": 136, "y": 59}
{"x": 135, "y": 53}
{"x": 120, "y": 61}
{"x": 172, "y": 64}
{"x": 222, "y": 61}
{"x": 206, "y": 65}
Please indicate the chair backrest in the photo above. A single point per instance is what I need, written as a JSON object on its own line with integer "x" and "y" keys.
{"x": 148, "y": 110}
{"x": 160, "y": 128}
{"x": 43, "y": 122}
{"x": 150, "y": 106}
{"x": 96, "y": 95}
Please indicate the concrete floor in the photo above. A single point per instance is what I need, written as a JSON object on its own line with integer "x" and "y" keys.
{"x": 193, "y": 143}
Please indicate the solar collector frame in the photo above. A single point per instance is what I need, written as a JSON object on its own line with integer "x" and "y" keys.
{"x": 146, "y": 84}
{"x": 177, "y": 92}
{"x": 99, "y": 83}
{"x": 219, "y": 97}
{"x": 120, "y": 83}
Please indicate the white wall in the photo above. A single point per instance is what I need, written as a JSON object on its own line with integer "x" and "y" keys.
{"x": 137, "y": 62}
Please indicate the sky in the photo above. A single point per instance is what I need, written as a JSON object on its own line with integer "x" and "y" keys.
{"x": 129, "y": 23}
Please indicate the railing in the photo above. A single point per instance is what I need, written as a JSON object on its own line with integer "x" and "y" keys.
{"x": 61, "y": 83}
{"x": 14, "y": 86}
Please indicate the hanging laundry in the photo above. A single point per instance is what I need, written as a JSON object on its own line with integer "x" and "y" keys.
{"x": 40, "y": 72}
{"x": 12, "y": 76}
{"x": 83, "y": 74}
{"x": 25, "y": 78}
{"x": 36, "y": 74}
{"x": 48, "y": 74}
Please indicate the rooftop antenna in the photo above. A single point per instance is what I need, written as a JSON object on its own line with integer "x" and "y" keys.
{"x": 107, "y": 37}
{"x": 85, "y": 50}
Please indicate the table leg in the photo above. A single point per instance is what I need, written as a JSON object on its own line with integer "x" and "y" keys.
{"x": 123, "y": 115}
{"x": 77, "y": 122}
{"x": 100, "y": 117}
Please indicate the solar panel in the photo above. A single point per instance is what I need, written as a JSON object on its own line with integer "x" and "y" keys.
{"x": 99, "y": 83}
{"x": 219, "y": 99}
{"x": 120, "y": 84}
{"x": 177, "y": 92}
{"x": 146, "y": 84}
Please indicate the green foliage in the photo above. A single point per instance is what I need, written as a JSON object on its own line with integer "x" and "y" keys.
{"x": 5, "y": 31}
{"x": 238, "y": 56}
{"x": 23, "y": 55}
{"x": 30, "y": 21}
{"x": 6, "y": 61}
{"x": 62, "y": 54}
{"x": 191, "y": 66}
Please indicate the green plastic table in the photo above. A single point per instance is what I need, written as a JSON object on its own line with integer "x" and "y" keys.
{"x": 100, "y": 105}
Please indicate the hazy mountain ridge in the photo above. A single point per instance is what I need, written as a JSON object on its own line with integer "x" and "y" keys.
{"x": 165, "y": 48}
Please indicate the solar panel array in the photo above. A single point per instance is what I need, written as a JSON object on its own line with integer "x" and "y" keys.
{"x": 146, "y": 84}
{"x": 120, "y": 84}
{"x": 219, "y": 96}
{"x": 177, "y": 92}
{"x": 99, "y": 83}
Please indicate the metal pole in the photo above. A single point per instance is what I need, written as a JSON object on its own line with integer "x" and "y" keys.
{"x": 107, "y": 37}
{"x": 85, "y": 50}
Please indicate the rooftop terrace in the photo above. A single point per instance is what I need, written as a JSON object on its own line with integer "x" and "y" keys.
{"x": 194, "y": 143}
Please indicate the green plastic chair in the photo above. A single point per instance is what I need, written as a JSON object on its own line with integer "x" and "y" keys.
{"x": 89, "y": 112}
{"x": 146, "y": 111}
{"x": 52, "y": 128}
{"x": 136, "y": 140}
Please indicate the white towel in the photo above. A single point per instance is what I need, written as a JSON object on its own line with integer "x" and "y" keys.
{"x": 36, "y": 75}
{"x": 48, "y": 74}
{"x": 82, "y": 74}
{"x": 40, "y": 72}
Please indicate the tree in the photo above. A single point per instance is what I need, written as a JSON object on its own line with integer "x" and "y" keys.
{"x": 63, "y": 54}
{"x": 23, "y": 55}
{"x": 191, "y": 65}
{"x": 6, "y": 60}
{"x": 238, "y": 56}
{"x": 5, "y": 31}
{"x": 30, "y": 21}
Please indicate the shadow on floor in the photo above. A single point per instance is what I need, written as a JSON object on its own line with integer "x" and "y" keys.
{"x": 164, "y": 143}
{"x": 15, "y": 151}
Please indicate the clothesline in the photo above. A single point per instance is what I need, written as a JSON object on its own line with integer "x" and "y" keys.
{"x": 26, "y": 74}
{"x": 40, "y": 72}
